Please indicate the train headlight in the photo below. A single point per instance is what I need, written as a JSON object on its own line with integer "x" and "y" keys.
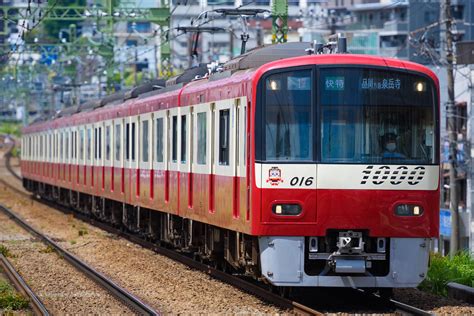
{"x": 408, "y": 210}
{"x": 287, "y": 209}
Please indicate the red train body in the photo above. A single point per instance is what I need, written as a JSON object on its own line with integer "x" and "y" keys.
{"x": 276, "y": 169}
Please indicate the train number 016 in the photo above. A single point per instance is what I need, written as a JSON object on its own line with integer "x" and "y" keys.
{"x": 302, "y": 181}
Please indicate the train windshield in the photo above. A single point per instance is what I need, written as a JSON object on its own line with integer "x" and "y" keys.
{"x": 376, "y": 116}
{"x": 347, "y": 115}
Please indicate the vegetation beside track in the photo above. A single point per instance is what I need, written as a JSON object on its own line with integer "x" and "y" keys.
{"x": 442, "y": 270}
{"x": 10, "y": 299}
{"x": 11, "y": 129}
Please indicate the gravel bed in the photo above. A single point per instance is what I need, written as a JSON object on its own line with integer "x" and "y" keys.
{"x": 164, "y": 284}
{"x": 62, "y": 288}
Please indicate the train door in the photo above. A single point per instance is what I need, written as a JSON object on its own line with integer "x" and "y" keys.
{"x": 118, "y": 169}
{"x": 201, "y": 166}
{"x": 131, "y": 161}
{"x": 224, "y": 163}
{"x": 160, "y": 160}
{"x": 185, "y": 156}
{"x": 173, "y": 164}
{"x": 241, "y": 155}
{"x": 144, "y": 185}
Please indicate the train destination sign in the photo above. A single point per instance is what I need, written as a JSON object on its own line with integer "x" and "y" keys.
{"x": 380, "y": 84}
{"x": 334, "y": 83}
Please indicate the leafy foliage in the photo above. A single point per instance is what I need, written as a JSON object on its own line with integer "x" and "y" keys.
{"x": 10, "y": 128}
{"x": 442, "y": 270}
{"x": 9, "y": 299}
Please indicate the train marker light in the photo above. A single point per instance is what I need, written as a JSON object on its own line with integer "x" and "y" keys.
{"x": 313, "y": 244}
{"x": 287, "y": 209}
{"x": 420, "y": 86}
{"x": 408, "y": 210}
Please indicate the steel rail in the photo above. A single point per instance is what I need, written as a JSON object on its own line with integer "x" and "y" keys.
{"x": 20, "y": 285}
{"x": 118, "y": 292}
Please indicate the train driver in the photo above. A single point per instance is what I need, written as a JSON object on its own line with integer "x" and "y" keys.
{"x": 389, "y": 141}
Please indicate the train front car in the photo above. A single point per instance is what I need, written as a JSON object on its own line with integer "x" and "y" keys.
{"x": 346, "y": 171}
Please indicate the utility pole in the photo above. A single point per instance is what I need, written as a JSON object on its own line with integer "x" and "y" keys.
{"x": 279, "y": 21}
{"x": 452, "y": 131}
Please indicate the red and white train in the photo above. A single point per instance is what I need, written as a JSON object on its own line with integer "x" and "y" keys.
{"x": 305, "y": 170}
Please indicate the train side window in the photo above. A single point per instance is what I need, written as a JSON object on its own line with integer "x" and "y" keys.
{"x": 224, "y": 126}
{"x": 202, "y": 138}
{"x": 127, "y": 141}
{"x": 117, "y": 142}
{"x": 81, "y": 148}
{"x": 133, "y": 141}
{"x": 159, "y": 139}
{"x": 95, "y": 143}
{"x": 100, "y": 143}
{"x": 145, "y": 140}
{"x": 174, "y": 153}
{"x": 183, "y": 138}
{"x": 89, "y": 144}
{"x": 107, "y": 143}
{"x": 67, "y": 146}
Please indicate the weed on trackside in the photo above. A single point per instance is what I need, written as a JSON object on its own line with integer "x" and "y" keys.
{"x": 9, "y": 299}
{"x": 5, "y": 251}
{"x": 442, "y": 270}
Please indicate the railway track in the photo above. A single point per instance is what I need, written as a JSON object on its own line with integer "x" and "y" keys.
{"x": 236, "y": 281}
{"x": 20, "y": 285}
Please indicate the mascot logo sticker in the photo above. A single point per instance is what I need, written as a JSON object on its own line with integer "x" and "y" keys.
{"x": 274, "y": 176}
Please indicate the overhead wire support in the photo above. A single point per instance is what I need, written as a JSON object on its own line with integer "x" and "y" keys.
{"x": 279, "y": 21}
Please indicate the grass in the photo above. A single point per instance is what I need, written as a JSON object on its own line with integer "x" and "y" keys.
{"x": 5, "y": 251}
{"x": 9, "y": 299}
{"x": 48, "y": 249}
{"x": 442, "y": 270}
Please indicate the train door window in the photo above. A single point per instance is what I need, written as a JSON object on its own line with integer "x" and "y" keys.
{"x": 183, "y": 138}
{"x": 100, "y": 148}
{"x": 81, "y": 147}
{"x": 127, "y": 141}
{"x": 202, "y": 138}
{"x": 96, "y": 130}
{"x": 174, "y": 145}
{"x": 118, "y": 141}
{"x": 67, "y": 146}
{"x": 107, "y": 143}
{"x": 133, "y": 141}
{"x": 224, "y": 125}
{"x": 89, "y": 144}
{"x": 145, "y": 140}
{"x": 159, "y": 136}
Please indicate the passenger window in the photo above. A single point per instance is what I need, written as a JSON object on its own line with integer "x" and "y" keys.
{"x": 133, "y": 141}
{"x": 174, "y": 155}
{"x": 159, "y": 140}
{"x": 224, "y": 137}
{"x": 183, "y": 138}
{"x": 96, "y": 143}
{"x": 81, "y": 149}
{"x": 89, "y": 144}
{"x": 117, "y": 142}
{"x": 145, "y": 141}
{"x": 127, "y": 141}
{"x": 107, "y": 143}
{"x": 201, "y": 138}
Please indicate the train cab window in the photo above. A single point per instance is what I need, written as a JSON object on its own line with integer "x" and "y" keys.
{"x": 224, "y": 129}
{"x": 145, "y": 140}
{"x": 375, "y": 116}
{"x": 107, "y": 143}
{"x": 174, "y": 154}
{"x": 287, "y": 116}
{"x": 201, "y": 138}
{"x": 118, "y": 140}
{"x": 159, "y": 139}
{"x": 127, "y": 141}
{"x": 183, "y": 138}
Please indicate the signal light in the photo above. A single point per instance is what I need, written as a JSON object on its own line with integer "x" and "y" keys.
{"x": 287, "y": 209}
